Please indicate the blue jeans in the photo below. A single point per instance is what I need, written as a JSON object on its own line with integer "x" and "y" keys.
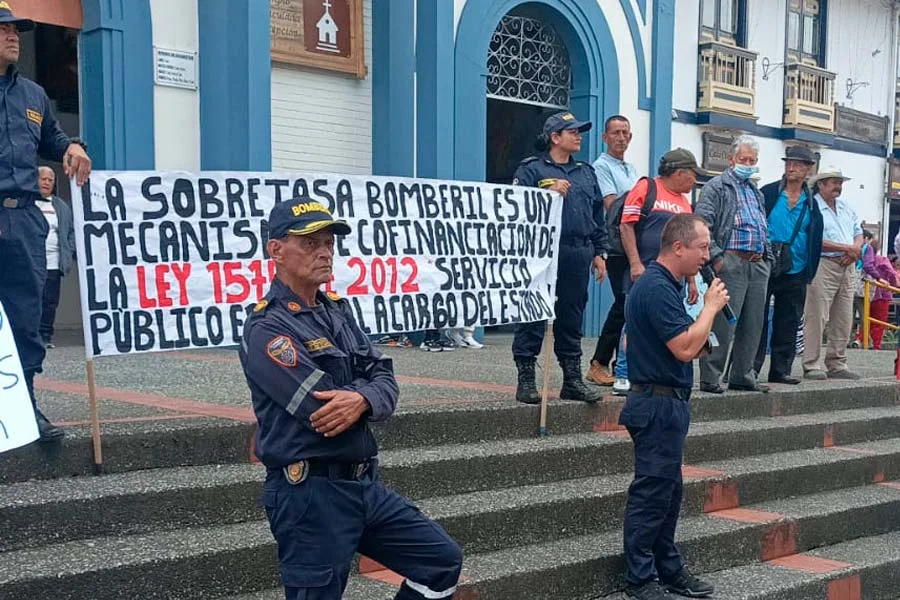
{"x": 621, "y": 370}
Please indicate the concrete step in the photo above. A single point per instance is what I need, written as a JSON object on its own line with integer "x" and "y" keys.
{"x": 148, "y": 445}
{"x": 38, "y": 513}
{"x": 867, "y": 568}
{"x": 453, "y": 469}
{"x": 209, "y": 562}
{"x": 496, "y": 519}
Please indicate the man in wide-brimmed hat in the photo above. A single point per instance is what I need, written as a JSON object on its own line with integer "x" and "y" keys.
{"x": 795, "y": 233}
{"x": 829, "y": 300}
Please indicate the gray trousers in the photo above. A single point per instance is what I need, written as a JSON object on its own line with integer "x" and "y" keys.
{"x": 746, "y": 283}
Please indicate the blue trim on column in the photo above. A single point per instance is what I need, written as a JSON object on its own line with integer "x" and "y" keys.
{"x": 393, "y": 108}
{"x": 662, "y": 78}
{"x": 434, "y": 89}
{"x": 595, "y": 72}
{"x": 637, "y": 42}
{"x": 117, "y": 83}
{"x": 235, "y": 85}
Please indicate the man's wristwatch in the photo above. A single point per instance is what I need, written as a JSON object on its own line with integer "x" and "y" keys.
{"x": 603, "y": 255}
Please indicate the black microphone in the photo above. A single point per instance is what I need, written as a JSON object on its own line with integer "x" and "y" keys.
{"x": 707, "y": 273}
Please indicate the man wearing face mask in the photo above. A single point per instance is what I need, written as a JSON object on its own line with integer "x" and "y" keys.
{"x": 735, "y": 210}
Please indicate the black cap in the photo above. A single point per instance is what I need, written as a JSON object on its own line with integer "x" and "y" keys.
{"x": 801, "y": 153}
{"x": 7, "y": 16}
{"x": 679, "y": 158}
{"x": 565, "y": 120}
{"x": 302, "y": 216}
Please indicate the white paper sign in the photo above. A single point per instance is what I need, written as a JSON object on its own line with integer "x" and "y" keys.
{"x": 175, "y": 68}
{"x": 17, "y": 424}
{"x": 177, "y": 260}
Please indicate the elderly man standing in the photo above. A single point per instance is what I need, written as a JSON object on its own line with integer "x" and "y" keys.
{"x": 829, "y": 301}
{"x": 734, "y": 208}
{"x": 795, "y": 226}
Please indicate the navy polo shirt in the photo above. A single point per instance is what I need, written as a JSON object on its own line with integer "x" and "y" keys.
{"x": 654, "y": 314}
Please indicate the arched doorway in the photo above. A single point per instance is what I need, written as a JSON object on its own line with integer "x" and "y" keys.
{"x": 483, "y": 108}
{"x": 529, "y": 78}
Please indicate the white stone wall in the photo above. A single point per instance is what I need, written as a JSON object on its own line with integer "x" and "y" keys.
{"x": 176, "y": 111}
{"x": 322, "y": 120}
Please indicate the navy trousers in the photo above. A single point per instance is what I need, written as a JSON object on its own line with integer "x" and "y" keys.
{"x": 658, "y": 426}
{"x": 571, "y": 297}
{"x": 320, "y": 523}
{"x": 23, "y": 269}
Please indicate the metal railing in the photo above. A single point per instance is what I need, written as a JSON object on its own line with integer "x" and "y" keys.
{"x": 727, "y": 78}
{"x": 867, "y": 319}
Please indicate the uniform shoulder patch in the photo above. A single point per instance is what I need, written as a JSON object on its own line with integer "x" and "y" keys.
{"x": 332, "y": 296}
{"x": 34, "y": 116}
{"x": 281, "y": 350}
{"x": 260, "y": 306}
{"x": 546, "y": 183}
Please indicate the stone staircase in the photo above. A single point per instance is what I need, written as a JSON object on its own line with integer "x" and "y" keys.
{"x": 794, "y": 495}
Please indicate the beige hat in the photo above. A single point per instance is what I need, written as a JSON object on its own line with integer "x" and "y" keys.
{"x": 828, "y": 173}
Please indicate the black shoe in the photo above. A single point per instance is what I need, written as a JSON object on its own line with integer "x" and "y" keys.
{"x": 788, "y": 379}
{"x": 574, "y": 387}
{"x": 685, "y": 584}
{"x": 712, "y": 388}
{"x": 648, "y": 591}
{"x": 762, "y": 389}
{"x": 48, "y": 431}
{"x": 526, "y": 392}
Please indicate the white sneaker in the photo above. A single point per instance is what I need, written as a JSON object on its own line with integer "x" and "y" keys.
{"x": 621, "y": 387}
{"x": 469, "y": 342}
{"x": 455, "y": 336}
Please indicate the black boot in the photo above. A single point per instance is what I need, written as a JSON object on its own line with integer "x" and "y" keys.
{"x": 49, "y": 432}
{"x": 573, "y": 387}
{"x": 526, "y": 392}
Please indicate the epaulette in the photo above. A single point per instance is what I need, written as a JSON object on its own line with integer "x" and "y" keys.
{"x": 261, "y": 306}
{"x": 332, "y": 296}
{"x": 530, "y": 159}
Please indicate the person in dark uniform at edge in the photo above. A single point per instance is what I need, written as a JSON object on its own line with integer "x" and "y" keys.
{"x": 663, "y": 342}
{"x": 316, "y": 383}
{"x": 29, "y": 129}
{"x": 582, "y": 246}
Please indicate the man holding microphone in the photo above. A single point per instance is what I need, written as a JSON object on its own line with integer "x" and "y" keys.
{"x": 664, "y": 341}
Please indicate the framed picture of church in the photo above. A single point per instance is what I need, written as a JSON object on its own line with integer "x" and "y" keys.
{"x": 325, "y": 34}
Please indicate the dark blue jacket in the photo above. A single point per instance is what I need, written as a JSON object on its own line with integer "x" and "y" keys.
{"x": 27, "y": 129}
{"x": 290, "y": 350}
{"x": 771, "y": 192}
{"x": 583, "y": 204}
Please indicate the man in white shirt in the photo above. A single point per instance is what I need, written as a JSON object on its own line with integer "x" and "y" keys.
{"x": 60, "y": 248}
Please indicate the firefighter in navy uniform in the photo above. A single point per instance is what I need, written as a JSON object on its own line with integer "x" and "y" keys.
{"x": 316, "y": 383}
{"x": 27, "y": 129}
{"x": 582, "y": 246}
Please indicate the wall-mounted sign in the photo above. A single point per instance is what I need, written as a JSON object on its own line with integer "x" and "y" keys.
{"x": 175, "y": 68}
{"x": 715, "y": 152}
{"x": 860, "y": 126}
{"x": 894, "y": 191}
{"x": 326, "y": 34}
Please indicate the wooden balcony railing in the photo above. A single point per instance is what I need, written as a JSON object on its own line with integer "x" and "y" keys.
{"x": 808, "y": 97}
{"x": 727, "y": 79}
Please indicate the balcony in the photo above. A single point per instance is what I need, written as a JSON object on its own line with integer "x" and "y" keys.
{"x": 727, "y": 80}
{"x": 808, "y": 97}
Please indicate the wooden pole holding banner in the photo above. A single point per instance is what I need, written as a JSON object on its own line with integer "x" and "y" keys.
{"x": 95, "y": 419}
{"x": 545, "y": 391}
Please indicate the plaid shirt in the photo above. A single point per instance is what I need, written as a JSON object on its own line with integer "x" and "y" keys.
{"x": 750, "y": 226}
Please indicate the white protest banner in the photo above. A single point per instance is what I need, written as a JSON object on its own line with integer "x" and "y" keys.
{"x": 176, "y": 260}
{"x": 17, "y": 424}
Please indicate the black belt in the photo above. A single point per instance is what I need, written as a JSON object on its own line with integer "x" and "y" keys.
{"x": 663, "y": 390}
{"x": 298, "y": 472}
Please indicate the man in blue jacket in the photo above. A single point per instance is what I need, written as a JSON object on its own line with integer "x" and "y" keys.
{"x": 317, "y": 382}
{"x": 794, "y": 219}
{"x": 29, "y": 129}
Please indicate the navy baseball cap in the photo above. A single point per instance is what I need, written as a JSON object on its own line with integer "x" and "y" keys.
{"x": 301, "y": 216}
{"x": 565, "y": 120}
{"x": 7, "y": 16}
